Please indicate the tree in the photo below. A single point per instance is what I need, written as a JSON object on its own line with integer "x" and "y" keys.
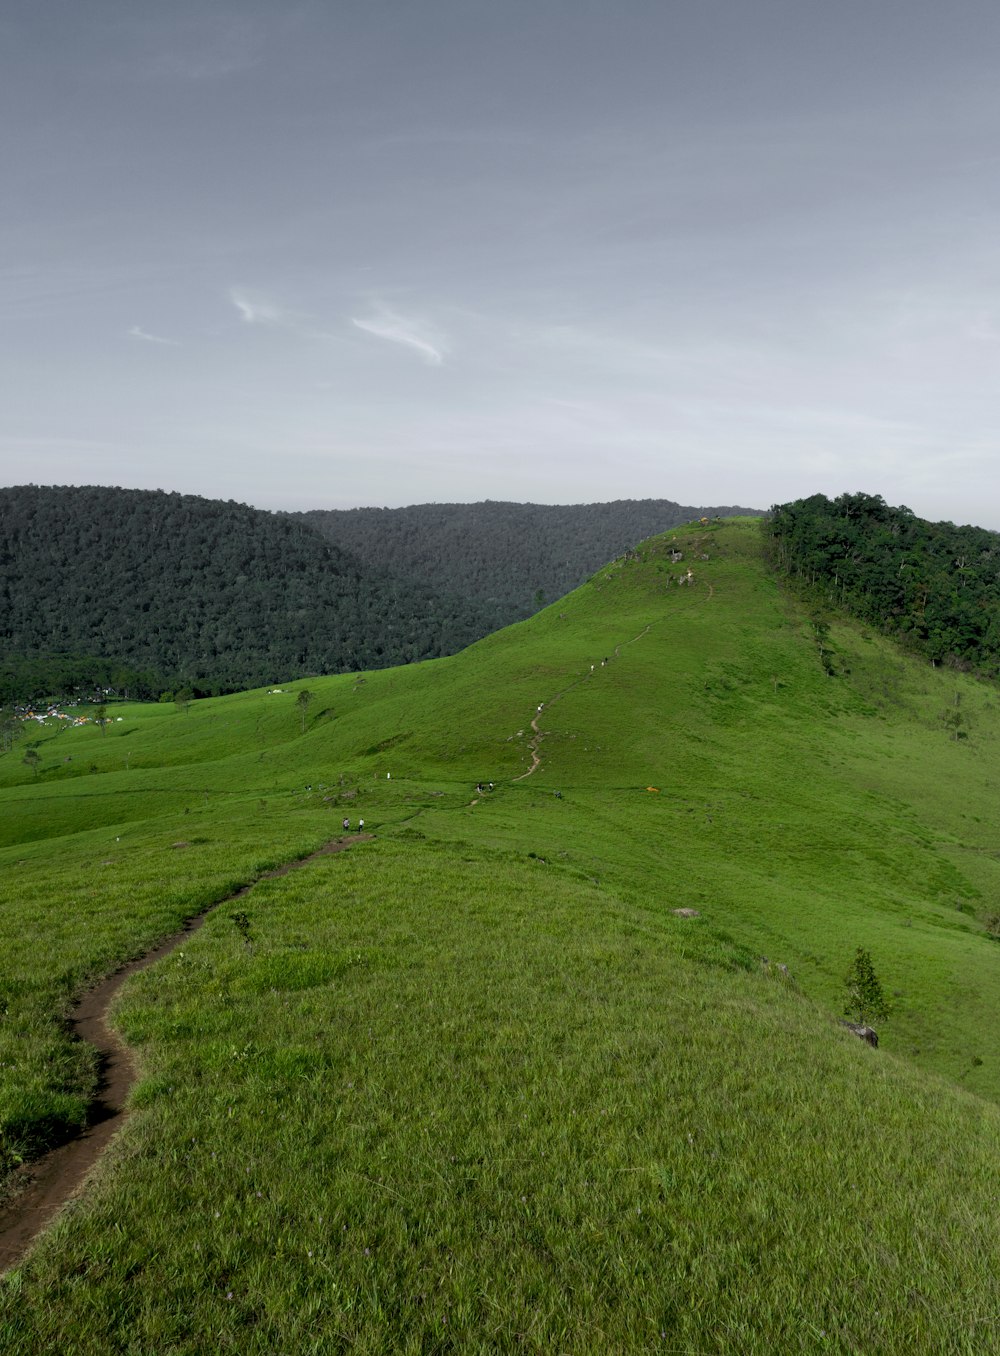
{"x": 865, "y": 997}
{"x": 101, "y": 718}
{"x": 302, "y": 702}
{"x": 954, "y": 720}
{"x": 33, "y": 760}
{"x": 183, "y": 698}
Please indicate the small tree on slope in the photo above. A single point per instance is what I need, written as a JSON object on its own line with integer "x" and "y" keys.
{"x": 302, "y": 702}
{"x": 865, "y": 997}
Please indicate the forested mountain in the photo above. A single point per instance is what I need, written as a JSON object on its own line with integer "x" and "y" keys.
{"x": 144, "y": 590}
{"x": 934, "y": 586}
{"x": 502, "y": 555}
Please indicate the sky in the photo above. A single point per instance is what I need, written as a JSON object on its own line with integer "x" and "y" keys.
{"x": 331, "y": 254}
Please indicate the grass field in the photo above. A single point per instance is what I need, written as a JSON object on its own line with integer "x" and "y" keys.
{"x": 476, "y": 1086}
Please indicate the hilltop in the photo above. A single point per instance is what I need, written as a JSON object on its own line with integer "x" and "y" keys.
{"x": 556, "y": 1066}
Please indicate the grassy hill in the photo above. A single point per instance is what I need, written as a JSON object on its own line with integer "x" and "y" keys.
{"x": 477, "y": 1086}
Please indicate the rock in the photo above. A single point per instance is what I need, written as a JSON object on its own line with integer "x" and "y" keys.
{"x": 863, "y": 1033}
{"x": 686, "y": 913}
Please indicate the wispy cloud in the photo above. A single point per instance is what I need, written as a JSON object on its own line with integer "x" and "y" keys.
{"x": 397, "y": 329}
{"x": 137, "y": 332}
{"x": 257, "y": 310}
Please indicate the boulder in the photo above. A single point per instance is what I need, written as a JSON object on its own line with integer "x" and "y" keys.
{"x": 863, "y": 1033}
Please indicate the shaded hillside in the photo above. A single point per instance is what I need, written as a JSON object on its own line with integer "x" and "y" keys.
{"x": 506, "y": 557}
{"x": 934, "y": 586}
{"x": 170, "y": 588}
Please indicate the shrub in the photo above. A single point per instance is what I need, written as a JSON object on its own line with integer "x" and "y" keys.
{"x": 865, "y": 997}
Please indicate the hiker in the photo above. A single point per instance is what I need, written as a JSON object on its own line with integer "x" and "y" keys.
{"x": 347, "y": 825}
{"x": 388, "y": 776}
{"x": 491, "y": 786}
{"x": 361, "y": 826}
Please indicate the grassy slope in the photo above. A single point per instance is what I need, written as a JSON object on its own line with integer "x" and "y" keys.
{"x": 483, "y": 1048}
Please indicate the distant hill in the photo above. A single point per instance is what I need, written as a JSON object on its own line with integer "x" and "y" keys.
{"x": 504, "y": 557}
{"x": 141, "y": 590}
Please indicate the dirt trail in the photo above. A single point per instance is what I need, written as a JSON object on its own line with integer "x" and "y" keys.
{"x": 533, "y": 744}
{"x": 42, "y": 1187}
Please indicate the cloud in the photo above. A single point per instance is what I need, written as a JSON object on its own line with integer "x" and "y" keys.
{"x": 397, "y": 329}
{"x": 256, "y": 310}
{"x": 136, "y": 332}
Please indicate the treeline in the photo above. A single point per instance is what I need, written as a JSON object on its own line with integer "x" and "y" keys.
{"x": 506, "y": 559}
{"x": 933, "y": 586}
{"x": 143, "y": 591}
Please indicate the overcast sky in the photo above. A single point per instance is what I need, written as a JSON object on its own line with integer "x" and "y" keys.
{"x": 350, "y": 252}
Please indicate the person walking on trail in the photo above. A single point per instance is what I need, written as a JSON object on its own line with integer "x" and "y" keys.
{"x": 361, "y": 826}
{"x": 347, "y": 825}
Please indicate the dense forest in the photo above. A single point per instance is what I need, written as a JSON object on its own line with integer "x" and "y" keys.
{"x": 141, "y": 591}
{"x": 506, "y": 559}
{"x": 933, "y": 586}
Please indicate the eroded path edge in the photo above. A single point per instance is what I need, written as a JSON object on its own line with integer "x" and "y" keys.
{"x": 42, "y": 1187}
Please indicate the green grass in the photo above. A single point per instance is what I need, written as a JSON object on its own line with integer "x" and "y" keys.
{"x": 476, "y": 1087}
